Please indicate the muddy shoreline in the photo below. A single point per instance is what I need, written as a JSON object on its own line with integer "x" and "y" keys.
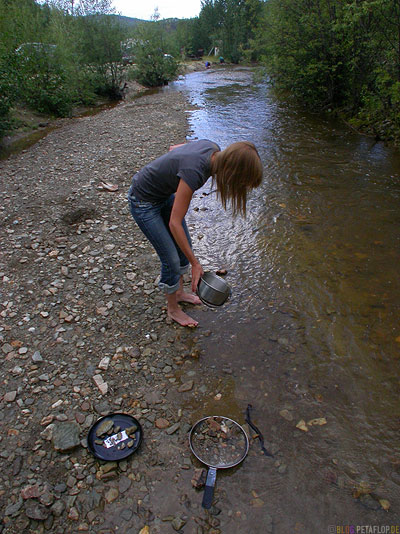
{"x": 79, "y": 302}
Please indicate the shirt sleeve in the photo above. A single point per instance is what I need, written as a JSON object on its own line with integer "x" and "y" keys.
{"x": 193, "y": 178}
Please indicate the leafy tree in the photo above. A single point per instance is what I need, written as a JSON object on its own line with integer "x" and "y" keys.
{"x": 21, "y": 21}
{"x": 228, "y": 24}
{"x": 100, "y": 49}
{"x": 152, "y": 67}
{"x": 7, "y": 91}
{"x": 84, "y": 7}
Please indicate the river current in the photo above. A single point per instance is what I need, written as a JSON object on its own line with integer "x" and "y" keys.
{"x": 312, "y": 330}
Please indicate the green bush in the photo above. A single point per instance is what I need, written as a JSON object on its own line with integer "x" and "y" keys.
{"x": 7, "y": 91}
{"x": 42, "y": 81}
{"x": 152, "y": 66}
{"x": 154, "y": 69}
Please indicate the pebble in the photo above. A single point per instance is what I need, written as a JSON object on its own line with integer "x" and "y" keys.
{"x": 161, "y": 423}
{"x": 286, "y": 415}
{"x": 104, "y": 363}
{"x": 178, "y": 523}
{"x": 7, "y": 348}
{"x": 173, "y": 428}
{"x": 111, "y": 495}
{"x": 30, "y": 492}
{"x": 65, "y": 436}
{"x": 101, "y": 384}
{"x": 369, "y": 502}
{"x": 37, "y": 357}
{"x": 10, "y": 396}
{"x": 126, "y": 514}
{"x": 36, "y": 511}
{"x": 186, "y": 386}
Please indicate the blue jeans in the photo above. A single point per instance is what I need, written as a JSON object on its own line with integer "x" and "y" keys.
{"x": 153, "y": 220}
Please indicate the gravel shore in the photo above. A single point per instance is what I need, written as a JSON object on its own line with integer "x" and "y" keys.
{"x": 84, "y": 332}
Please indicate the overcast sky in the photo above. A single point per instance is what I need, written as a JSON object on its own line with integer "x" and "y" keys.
{"x": 144, "y": 9}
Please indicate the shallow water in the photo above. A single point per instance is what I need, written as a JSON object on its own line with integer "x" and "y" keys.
{"x": 313, "y": 324}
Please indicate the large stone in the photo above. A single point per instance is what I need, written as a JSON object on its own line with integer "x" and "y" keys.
{"x": 36, "y": 511}
{"x": 66, "y": 436}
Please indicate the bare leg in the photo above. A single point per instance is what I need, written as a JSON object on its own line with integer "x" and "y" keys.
{"x": 182, "y": 296}
{"x": 176, "y": 313}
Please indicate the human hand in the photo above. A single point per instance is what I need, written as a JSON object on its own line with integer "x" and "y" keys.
{"x": 197, "y": 273}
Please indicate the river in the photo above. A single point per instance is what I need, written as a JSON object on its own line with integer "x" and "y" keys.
{"x": 312, "y": 329}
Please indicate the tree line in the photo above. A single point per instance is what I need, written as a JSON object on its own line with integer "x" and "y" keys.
{"x": 338, "y": 55}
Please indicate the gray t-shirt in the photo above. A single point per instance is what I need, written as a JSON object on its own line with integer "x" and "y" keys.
{"x": 159, "y": 179}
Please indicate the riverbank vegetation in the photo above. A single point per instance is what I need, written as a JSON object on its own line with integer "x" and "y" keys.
{"x": 336, "y": 55}
{"x": 63, "y": 54}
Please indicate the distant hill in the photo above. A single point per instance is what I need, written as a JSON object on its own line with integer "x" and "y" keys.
{"x": 128, "y": 22}
{"x": 170, "y": 24}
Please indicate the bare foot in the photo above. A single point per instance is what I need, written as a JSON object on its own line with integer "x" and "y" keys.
{"x": 188, "y": 297}
{"x": 182, "y": 318}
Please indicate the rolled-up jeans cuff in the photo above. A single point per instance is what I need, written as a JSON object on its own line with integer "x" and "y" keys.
{"x": 168, "y": 289}
{"x": 172, "y": 289}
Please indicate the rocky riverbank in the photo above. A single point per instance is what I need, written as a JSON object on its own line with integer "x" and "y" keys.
{"x": 84, "y": 333}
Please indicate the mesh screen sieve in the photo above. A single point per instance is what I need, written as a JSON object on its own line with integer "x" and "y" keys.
{"x": 219, "y": 442}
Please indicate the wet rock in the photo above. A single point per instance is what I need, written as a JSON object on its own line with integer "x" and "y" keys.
{"x": 7, "y": 348}
{"x": 286, "y": 415}
{"x": 65, "y": 436}
{"x": 46, "y": 498}
{"x": 199, "y": 478}
{"x": 187, "y": 386}
{"x": 369, "y": 502}
{"x": 301, "y": 425}
{"x": 268, "y": 523}
{"x": 178, "y": 523}
{"x": 61, "y": 487}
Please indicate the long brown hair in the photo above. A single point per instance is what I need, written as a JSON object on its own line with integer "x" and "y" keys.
{"x": 236, "y": 170}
